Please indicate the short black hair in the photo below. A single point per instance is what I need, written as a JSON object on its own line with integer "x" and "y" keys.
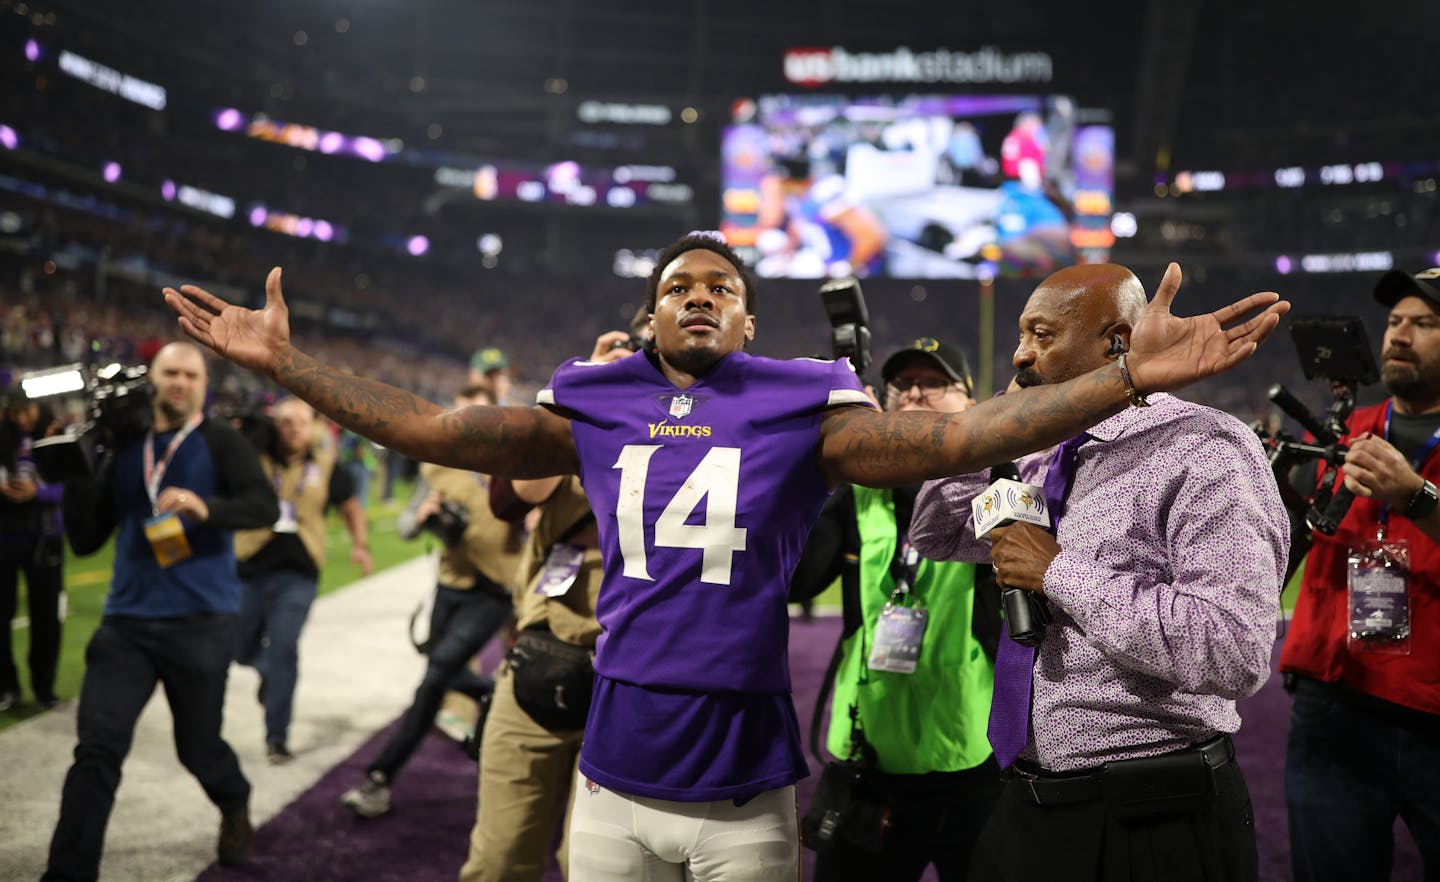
{"x": 690, "y": 242}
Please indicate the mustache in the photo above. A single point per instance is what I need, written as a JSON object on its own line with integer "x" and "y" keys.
{"x": 1404, "y": 352}
{"x": 1027, "y": 377}
{"x": 699, "y": 316}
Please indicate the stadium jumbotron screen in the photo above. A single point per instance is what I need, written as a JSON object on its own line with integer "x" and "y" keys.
{"x": 917, "y": 186}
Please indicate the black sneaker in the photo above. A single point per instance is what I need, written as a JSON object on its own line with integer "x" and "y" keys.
{"x": 277, "y": 754}
{"x": 236, "y": 835}
{"x": 50, "y": 702}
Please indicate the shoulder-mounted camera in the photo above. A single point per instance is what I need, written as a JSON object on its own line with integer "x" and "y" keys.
{"x": 118, "y": 410}
{"x": 449, "y": 523}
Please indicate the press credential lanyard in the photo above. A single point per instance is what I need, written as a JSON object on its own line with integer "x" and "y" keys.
{"x": 154, "y": 474}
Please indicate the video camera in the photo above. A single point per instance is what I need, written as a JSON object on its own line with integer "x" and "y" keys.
{"x": 118, "y": 410}
{"x": 251, "y": 421}
{"x": 449, "y": 523}
{"x": 1332, "y": 348}
{"x": 849, "y": 331}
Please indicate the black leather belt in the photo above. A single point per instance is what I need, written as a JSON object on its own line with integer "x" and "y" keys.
{"x": 1049, "y": 788}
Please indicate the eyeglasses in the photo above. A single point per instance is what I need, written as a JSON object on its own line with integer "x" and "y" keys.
{"x": 930, "y": 387}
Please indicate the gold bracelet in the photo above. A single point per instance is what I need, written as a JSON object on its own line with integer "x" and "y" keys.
{"x": 1136, "y": 399}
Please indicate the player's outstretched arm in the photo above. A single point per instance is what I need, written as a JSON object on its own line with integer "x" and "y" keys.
{"x": 887, "y": 449}
{"x": 1168, "y": 352}
{"x": 521, "y": 442}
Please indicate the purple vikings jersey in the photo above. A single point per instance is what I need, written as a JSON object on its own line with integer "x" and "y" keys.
{"x": 704, "y": 499}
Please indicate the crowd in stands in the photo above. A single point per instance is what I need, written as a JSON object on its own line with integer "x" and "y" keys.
{"x": 80, "y": 286}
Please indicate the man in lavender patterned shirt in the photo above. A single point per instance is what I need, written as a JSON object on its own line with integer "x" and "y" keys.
{"x": 706, "y": 467}
{"x": 1162, "y": 582}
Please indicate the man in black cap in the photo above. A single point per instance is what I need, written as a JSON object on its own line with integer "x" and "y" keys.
{"x": 919, "y": 715}
{"x": 1362, "y": 655}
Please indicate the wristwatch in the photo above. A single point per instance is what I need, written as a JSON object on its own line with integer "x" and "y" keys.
{"x": 1423, "y": 502}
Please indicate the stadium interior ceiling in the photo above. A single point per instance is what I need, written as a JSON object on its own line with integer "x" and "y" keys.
{"x": 1254, "y": 140}
{"x": 1229, "y": 85}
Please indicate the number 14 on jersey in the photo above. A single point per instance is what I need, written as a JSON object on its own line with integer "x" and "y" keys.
{"x": 715, "y": 479}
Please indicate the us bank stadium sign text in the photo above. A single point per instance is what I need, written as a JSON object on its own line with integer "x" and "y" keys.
{"x": 818, "y": 66}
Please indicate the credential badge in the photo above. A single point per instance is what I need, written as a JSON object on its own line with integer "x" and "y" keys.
{"x": 680, "y": 405}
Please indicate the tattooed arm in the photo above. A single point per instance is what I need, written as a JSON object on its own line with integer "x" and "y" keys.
{"x": 1166, "y": 352}
{"x": 519, "y": 442}
{"x": 512, "y": 442}
{"x": 876, "y": 449}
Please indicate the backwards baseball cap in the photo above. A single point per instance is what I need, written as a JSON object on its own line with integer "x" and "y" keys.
{"x": 488, "y": 359}
{"x": 1396, "y": 285}
{"x": 946, "y": 357}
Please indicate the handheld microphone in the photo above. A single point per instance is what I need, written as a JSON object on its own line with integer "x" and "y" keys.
{"x": 1008, "y": 501}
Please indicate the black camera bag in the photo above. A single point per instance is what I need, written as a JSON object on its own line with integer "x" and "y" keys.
{"x": 553, "y": 680}
{"x": 843, "y": 810}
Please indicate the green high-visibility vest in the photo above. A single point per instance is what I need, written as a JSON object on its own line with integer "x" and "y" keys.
{"x": 932, "y": 720}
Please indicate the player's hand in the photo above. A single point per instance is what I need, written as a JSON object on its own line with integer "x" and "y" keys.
{"x": 252, "y": 338}
{"x": 1021, "y": 553}
{"x": 1167, "y": 351}
{"x": 1373, "y": 467}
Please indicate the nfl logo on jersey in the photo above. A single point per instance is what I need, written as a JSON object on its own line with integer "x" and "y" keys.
{"x": 680, "y": 405}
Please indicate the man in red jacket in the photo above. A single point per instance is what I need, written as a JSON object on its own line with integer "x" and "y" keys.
{"x": 1363, "y": 651}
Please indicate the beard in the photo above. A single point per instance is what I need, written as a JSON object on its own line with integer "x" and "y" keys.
{"x": 1408, "y": 380}
{"x": 175, "y": 412}
{"x": 694, "y": 361}
{"x": 1403, "y": 381}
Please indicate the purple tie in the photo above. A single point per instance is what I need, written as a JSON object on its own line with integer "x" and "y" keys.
{"x": 1009, "y": 728}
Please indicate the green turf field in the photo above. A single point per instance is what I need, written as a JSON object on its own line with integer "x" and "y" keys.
{"x": 87, "y": 579}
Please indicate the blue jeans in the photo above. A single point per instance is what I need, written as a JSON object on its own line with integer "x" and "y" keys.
{"x": 1349, "y": 771}
{"x": 461, "y": 623}
{"x": 124, "y": 661}
{"x": 273, "y": 609}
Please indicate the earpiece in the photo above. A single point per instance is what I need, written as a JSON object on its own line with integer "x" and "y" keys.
{"x": 1117, "y": 345}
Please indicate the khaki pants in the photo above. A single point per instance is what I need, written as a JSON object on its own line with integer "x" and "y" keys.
{"x": 525, "y": 776}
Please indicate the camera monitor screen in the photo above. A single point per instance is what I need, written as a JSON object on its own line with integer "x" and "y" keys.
{"x": 1334, "y": 348}
{"x": 917, "y": 186}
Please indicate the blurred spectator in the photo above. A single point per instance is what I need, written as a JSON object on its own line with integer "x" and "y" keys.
{"x": 490, "y": 368}
{"x": 30, "y": 543}
{"x": 280, "y": 564}
{"x": 472, "y": 602}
